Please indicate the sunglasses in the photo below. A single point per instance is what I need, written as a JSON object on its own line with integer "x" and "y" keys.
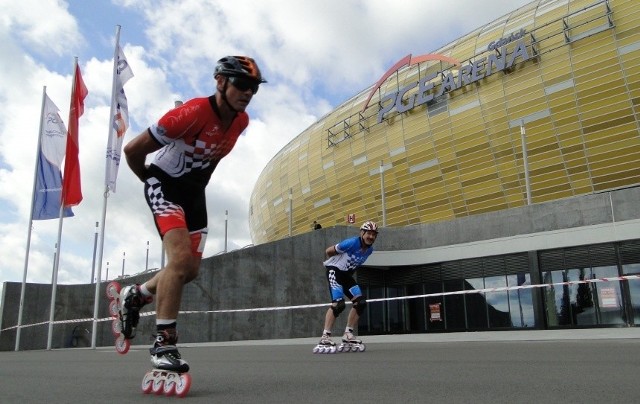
{"x": 244, "y": 84}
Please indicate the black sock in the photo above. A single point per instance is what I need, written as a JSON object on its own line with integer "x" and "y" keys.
{"x": 162, "y": 327}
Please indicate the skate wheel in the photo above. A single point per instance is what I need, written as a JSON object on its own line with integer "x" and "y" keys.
{"x": 316, "y": 349}
{"x": 113, "y": 309}
{"x": 158, "y": 384}
{"x": 183, "y": 384}
{"x": 332, "y": 349}
{"x": 347, "y": 348}
{"x": 113, "y": 290}
{"x": 147, "y": 383}
{"x": 340, "y": 348}
{"x": 122, "y": 345}
{"x": 116, "y": 327}
{"x": 362, "y": 347}
{"x": 170, "y": 382}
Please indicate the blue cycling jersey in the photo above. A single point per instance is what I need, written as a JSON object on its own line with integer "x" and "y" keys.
{"x": 350, "y": 255}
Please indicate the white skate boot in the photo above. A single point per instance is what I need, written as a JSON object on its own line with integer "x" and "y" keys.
{"x": 326, "y": 345}
{"x": 165, "y": 355}
{"x": 351, "y": 343}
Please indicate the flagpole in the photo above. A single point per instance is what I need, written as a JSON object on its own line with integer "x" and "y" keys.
{"x": 54, "y": 279}
{"x": 96, "y": 299}
{"x": 33, "y": 197}
{"x": 95, "y": 248}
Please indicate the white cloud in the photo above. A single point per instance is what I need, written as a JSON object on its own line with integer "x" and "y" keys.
{"x": 36, "y": 22}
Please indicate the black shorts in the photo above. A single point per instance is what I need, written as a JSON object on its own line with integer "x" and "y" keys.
{"x": 175, "y": 207}
{"x": 342, "y": 284}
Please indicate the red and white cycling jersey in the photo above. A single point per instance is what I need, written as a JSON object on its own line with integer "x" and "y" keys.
{"x": 193, "y": 140}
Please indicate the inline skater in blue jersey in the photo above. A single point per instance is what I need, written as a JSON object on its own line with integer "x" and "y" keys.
{"x": 344, "y": 258}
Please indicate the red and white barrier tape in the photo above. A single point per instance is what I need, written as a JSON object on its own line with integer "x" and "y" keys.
{"x": 306, "y": 306}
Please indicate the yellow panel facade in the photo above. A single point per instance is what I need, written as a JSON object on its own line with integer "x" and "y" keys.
{"x": 567, "y": 72}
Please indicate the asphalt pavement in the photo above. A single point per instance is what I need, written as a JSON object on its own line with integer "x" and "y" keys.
{"x": 567, "y": 366}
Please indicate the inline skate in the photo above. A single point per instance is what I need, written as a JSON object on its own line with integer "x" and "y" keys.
{"x": 351, "y": 344}
{"x": 124, "y": 306}
{"x": 326, "y": 345}
{"x": 169, "y": 375}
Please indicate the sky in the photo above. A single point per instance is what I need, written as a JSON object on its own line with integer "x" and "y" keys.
{"x": 315, "y": 55}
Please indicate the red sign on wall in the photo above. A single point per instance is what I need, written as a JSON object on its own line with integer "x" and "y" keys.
{"x": 434, "y": 312}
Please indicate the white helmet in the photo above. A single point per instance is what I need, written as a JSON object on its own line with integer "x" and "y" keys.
{"x": 369, "y": 226}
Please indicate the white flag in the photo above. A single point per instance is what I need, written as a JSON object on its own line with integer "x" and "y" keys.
{"x": 48, "y": 187}
{"x": 119, "y": 120}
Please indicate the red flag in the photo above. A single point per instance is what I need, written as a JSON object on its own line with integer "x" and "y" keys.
{"x": 71, "y": 188}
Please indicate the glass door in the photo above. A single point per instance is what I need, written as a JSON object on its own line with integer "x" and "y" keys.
{"x": 569, "y": 301}
{"x": 607, "y": 296}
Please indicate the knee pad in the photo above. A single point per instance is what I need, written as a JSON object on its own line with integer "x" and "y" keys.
{"x": 359, "y": 304}
{"x": 338, "y": 308}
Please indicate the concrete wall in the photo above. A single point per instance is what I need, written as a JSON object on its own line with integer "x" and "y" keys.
{"x": 289, "y": 272}
{"x": 72, "y": 302}
{"x": 593, "y": 219}
{"x": 568, "y": 213}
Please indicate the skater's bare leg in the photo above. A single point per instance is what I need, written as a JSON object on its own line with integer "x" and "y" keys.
{"x": 329, "y": 319}
{"x": 182, "y": 267}
{"x": 352, "y": 319}
{"x": 358, "y": 307}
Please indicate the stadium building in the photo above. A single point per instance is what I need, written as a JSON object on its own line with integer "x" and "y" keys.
{"x": 537, "y": 111}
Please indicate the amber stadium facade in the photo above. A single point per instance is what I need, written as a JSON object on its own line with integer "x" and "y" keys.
{"x": 541, "y": 105}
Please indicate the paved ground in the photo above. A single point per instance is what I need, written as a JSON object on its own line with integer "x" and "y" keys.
{"x": 576, "y": 366}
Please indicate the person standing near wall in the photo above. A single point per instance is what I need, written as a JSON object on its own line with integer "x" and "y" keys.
{"x": 191, "y": 139}
{"x": 343, "y": 260}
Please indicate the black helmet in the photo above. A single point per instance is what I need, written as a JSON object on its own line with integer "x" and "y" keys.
{"x": 239, "y": 66}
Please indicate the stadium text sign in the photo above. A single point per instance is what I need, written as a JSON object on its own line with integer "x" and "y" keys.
{"x": 427, "y": 87}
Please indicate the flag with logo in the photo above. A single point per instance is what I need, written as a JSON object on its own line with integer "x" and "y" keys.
{"x": 119, "y": 120}
{"x": 48, "y": 187}
{"x": 71, "y": 185}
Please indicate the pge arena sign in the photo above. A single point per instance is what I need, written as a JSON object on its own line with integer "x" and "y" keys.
{"x": 428, "y": 90}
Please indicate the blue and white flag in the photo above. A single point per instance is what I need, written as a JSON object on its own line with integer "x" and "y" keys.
{"x": 119, "y": 120}
{"x": 53, "y": 143}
